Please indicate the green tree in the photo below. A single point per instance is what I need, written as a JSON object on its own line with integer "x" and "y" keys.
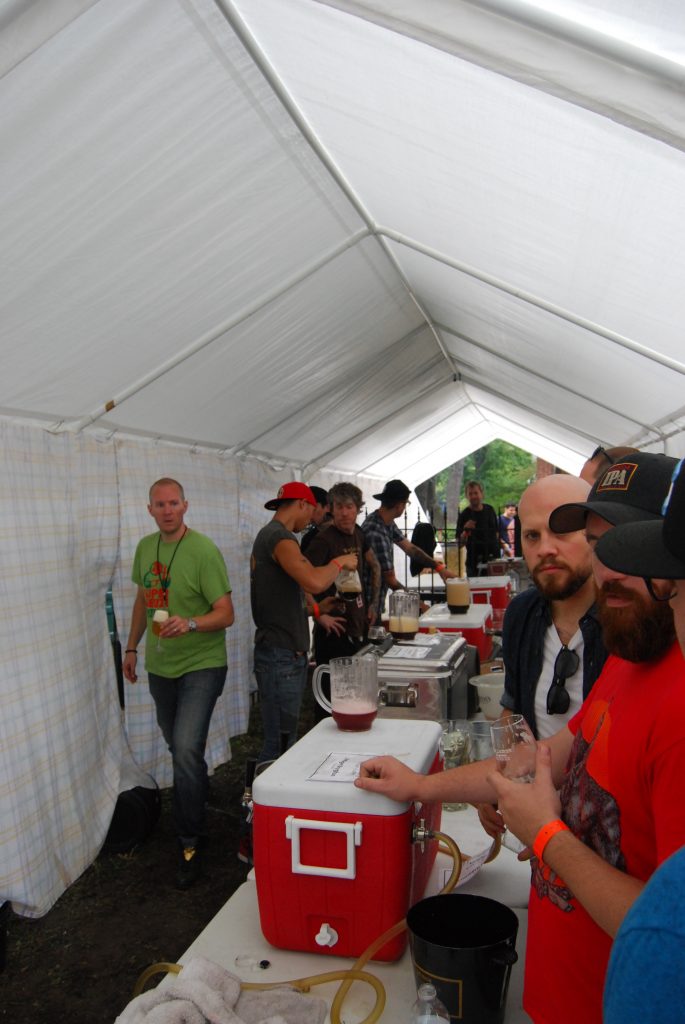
{"x": 503, "y": 469}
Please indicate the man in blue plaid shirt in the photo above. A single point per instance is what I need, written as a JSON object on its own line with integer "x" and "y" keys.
{"x": 382, "y": 533}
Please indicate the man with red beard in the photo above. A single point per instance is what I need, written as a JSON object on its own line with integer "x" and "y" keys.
{"x": 605, "y": 805}
{"x": 551, "y": 643}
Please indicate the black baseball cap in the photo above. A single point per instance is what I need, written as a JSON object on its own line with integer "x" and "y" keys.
{"x": 655, "y": 548}
{"x": 629, "y": 491}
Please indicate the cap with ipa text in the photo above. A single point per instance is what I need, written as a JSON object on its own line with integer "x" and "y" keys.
{"x": 627, "y": 492}
{"x": 394, "y": 491}
{"x": 655, "y": 548}
{"x": 294, "y": 491}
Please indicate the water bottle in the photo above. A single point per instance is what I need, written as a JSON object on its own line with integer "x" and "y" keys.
{"x": 428, "y": 1009}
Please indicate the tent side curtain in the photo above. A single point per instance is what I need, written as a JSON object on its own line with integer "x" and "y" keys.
{"x": 74, "y": 508}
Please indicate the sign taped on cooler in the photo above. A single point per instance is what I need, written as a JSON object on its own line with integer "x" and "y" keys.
{"x": 335, "y": 866}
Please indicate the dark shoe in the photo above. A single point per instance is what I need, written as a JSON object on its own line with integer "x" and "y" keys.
{"x": 189, "y": 864}
{"x": 245, "y": 849}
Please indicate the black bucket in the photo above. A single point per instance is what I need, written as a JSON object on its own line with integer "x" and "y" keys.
{"x": 465, "y": 946}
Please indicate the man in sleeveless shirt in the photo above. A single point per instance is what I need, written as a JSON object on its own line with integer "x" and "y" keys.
{"x": 280, "y": 579}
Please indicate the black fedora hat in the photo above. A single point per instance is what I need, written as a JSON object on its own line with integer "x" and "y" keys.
{"x": 655, "y": 548}
{"x": 394, "y": 491}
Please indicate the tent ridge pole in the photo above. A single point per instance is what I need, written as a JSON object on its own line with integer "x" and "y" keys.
{"x": 541, "y": 376}
{"x": 233, "y": 17}
{"x": 322, "y": 457}
{"x": 369, "y": 366}
{"x": 534, "y": 300}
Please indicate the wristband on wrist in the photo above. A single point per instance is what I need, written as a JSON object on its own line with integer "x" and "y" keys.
{"x": 336, "y": 562}
{"x": 438, "y": 567}
{"x": 131, "y": 650}
{"x": 545, "y": 834}
{"x": 316, "y": 611}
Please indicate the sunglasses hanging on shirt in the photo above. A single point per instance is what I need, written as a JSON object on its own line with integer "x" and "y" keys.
{"x": 565, "y": 666}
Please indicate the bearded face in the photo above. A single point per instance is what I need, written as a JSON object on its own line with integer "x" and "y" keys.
{"x": 641, "y": 630}
{"x": 562, "y": 584}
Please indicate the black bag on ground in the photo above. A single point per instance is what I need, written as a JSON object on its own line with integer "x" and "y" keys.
{"x": 135, "y": 815}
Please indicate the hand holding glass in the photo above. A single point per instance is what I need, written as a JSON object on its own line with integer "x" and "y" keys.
{"x": 515, "y": 749}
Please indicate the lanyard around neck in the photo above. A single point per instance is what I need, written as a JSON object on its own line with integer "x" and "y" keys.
{"x": 166, "y": 582}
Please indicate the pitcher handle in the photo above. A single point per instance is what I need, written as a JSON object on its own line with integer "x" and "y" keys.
{"x": 316, "y": 687}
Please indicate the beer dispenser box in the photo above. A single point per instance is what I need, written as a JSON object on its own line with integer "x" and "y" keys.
{"x": 335, "y": 866}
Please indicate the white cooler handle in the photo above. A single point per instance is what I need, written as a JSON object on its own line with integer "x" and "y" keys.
{"x": 353, "y": 832}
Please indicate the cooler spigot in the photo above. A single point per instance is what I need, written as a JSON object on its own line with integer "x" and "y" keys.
{"x": 327, "y": 936}
{"x": 420, "y": 834}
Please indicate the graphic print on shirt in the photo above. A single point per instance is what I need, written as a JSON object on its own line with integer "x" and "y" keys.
{"x": 590, "y": 809}
{"x": 156, "y": 583}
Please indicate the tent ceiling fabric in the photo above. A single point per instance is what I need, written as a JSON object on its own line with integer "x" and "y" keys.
{"x": 360, "y": 237}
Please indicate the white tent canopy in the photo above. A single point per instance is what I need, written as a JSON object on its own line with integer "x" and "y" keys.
{"x": 247, "y": 240}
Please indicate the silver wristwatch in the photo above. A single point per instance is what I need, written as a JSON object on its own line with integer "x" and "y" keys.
{"x": 192, "y": 626}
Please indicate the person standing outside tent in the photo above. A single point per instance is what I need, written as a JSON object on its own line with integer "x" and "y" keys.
{"x": 507, "y": 530}
{"x": 182, "y": 572}
{"x": 604, "y": 806}
{"x": 645, "y": 976}
{"x": 280, "y": 578}
{"x": 477, "y": 529}
{"x": 382, "y": 534}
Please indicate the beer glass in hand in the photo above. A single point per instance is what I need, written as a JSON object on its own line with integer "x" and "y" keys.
{"x": 159, "y": 617}
{"x": 515, "y": 748}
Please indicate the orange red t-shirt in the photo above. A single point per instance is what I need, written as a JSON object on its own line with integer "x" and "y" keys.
{"x": 623, "y": 798}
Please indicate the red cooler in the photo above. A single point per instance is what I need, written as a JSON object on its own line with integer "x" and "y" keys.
{"x": 474, "y": 625}
{"x": 492, "y": 590}
{"x": 335, "y": 866}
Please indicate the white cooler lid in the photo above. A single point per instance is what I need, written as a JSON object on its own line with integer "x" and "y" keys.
{"x": 308, "y": 775}
{"x": 489, "y": 582}
{"x": 440, "y": 615}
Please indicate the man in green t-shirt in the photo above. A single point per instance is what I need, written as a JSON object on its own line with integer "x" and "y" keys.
{"x": 184, "y": 602}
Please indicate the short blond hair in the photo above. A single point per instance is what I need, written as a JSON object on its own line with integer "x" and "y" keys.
{"x": 167, "y": 481}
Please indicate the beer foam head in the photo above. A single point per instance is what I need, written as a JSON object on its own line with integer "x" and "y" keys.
{"x": 160, "y": 615}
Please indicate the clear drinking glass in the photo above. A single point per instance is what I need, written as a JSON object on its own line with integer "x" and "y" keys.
{"x": 481, "y": 740}
{"x": 455, "y": 744}
{"x": 514, "y": 747}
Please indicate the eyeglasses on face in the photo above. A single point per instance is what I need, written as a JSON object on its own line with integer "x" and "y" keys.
{"x": 565, "y": 666}
{"x": 656, "y": 595}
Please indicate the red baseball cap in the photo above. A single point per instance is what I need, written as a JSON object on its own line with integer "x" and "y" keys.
{"x": 294, "y": 491}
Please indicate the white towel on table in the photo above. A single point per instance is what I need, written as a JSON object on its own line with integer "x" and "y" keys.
{"x": 204, "y": 993}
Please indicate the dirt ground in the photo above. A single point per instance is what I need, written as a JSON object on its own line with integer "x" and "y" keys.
{"x": 79, "y": 963}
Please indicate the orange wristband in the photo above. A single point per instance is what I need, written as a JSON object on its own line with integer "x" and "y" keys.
{"x": 439, "y": 566}
{"x": 545, "y": 834}
{"x": 316, "y": 611}
{"x": 336, "y": 562}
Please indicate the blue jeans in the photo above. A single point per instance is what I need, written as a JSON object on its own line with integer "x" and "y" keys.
{"x": 184, "y": 709}
{"x": 281, "y": 677}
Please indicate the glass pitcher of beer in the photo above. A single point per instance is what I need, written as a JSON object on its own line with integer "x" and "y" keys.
{"x": 404, "y": 614}
{"x": 354, "y": 691}
{"x": 458, "y": 594}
